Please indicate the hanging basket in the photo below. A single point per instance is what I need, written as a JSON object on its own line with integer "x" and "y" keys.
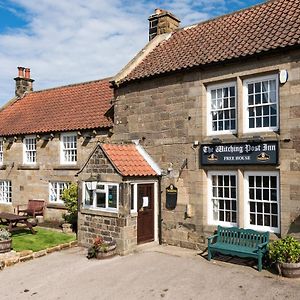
{"x": 5, "y": 246}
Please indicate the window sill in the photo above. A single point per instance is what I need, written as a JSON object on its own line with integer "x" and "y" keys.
{"x": 28, "y": 167}
{"x": 56, "y": 205}
{"x": 3, "y": 167}
{"x": 66, "y": 167}
{"x": 98, "y": 212}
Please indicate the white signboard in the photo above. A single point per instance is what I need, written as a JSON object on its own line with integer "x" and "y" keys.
{"x": 145, "y": 201}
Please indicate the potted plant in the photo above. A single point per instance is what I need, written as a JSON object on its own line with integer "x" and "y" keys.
{"x": 5, "y": 241}
{"x": 101, "y": 249}
{"x": 286, "y": 254}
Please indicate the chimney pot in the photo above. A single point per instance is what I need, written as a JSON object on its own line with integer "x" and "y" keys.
{"x": 27, "y": 73}
{"x": 21, "y": 71}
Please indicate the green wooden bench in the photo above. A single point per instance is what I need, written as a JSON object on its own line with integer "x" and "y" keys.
{"x": 239, "y": 242}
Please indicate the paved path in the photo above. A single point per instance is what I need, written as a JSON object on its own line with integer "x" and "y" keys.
{"x": 160, "y": 272}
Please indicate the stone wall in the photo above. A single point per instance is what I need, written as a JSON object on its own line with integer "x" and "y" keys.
{"x": 168, "y": 113}
{"x": 32, "y": 182}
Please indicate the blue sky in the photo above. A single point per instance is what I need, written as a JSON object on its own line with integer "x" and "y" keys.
{"x": 69, "y": 41}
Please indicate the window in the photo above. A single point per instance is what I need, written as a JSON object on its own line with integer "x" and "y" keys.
{"x": 262, "y": 196}
{"x": 222, "y": 198}
{"x": 55, "y": 191}
{"x": 1, "y": 151}
{"x": 222, "y": 108}
{"x": 101, "y": 195}
{"x": 29, "y": 150}
{"x": 5, "y": 191}
{"x": 261, "y": 104}
{"x": 68, "y": 148}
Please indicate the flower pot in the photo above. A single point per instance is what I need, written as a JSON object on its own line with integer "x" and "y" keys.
{"x": 67, "y": 228}
{"x": 291, "y": 270}
{"x": 110, "y": 252}
{"x": 5, "y": 246}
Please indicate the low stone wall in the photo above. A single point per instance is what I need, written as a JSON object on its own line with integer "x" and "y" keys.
{"x": 11, "y": 258}
{"x": 111, "y": 227}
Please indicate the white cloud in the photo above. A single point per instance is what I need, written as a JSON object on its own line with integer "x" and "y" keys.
{"x": 68, "y": 41}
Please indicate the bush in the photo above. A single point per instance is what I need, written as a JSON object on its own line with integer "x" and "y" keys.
{"x": 70, "y": 198}
{"x": 4, "y": 235}
{"x": 285, "y": 250}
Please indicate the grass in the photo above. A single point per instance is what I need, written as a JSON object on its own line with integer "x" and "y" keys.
{"x": 24, "y": 240}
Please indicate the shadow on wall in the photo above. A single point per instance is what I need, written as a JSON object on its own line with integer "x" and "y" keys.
{"x": 295, "y": 226}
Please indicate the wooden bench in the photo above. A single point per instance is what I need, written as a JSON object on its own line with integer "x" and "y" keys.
{"x": 239, "y": 242}
{"x": 34, "y": 208}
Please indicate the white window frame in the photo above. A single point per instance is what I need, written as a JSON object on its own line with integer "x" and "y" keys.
{"x": 5, "y": 192}
{"x": 96, "y": 190}
{"x": 1, "y": 151}
{"x": 54, "y": 188}
{"x": 63, "y": 149}
{"x": 211, "y": 221}
{"x": 210, "y": 130}
{"x": 29, "y": 149}
{"x": 245, "y": 106}
{"x": 247, "y": 200}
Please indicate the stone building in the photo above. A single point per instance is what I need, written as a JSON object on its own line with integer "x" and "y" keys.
{"x": 217, "y": 106}
{"x": 46, "y": 136}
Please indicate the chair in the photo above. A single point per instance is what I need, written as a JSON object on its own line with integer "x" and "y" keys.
{"x": 34, "y": 208}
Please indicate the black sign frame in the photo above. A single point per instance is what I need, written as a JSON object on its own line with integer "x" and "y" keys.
{"x": 247, "y": 153}
{"x": 171, "y": 197}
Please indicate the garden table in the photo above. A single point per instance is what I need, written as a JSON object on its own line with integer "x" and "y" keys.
{"x": 12, "y": 220}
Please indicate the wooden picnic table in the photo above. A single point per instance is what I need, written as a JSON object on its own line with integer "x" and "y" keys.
{"x": 12, "y": 221}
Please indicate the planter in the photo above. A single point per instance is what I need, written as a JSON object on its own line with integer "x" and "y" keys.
{"x": 110, "y": 252}
{"x": 67, "y": 228}
{"x": 291, "y": 270}
{"x": 5, "y": 246}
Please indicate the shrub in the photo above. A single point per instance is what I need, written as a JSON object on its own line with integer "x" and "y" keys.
{"x": 286, "y": 250}
{"x": 70, "y": 198}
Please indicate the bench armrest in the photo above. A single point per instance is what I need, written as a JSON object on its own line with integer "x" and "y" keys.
{"x": 210, "y": 238}
{"x": 262, "y": 245}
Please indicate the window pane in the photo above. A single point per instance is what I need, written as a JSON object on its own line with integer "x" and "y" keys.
{"x": 263, "y": 212}
{"x": 100, "y": 199}
{"x": 221, "y": 100}
{"x": 262, "y": 101}
{"x": 112, "y": 196}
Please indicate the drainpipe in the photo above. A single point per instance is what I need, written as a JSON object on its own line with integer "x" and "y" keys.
{"x": 159, "y": 211}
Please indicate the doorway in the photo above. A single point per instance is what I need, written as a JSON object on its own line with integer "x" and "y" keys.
{"x": 145, "y": 209}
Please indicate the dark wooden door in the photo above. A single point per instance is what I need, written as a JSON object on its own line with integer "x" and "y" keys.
{"x": 145, "y": 206}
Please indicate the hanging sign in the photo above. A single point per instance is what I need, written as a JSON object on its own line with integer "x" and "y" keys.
{"x": 253, "y": 153}
{"x": 171, "y": 197}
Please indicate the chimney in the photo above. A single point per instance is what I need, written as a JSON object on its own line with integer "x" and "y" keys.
{"x": 162, "y": 21}
{"x": 23, "y": 82}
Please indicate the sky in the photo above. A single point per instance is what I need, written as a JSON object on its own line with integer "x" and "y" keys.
{"x": 71, "y": 41}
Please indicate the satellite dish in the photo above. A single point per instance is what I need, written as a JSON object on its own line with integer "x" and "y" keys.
{"x": 283, "y": 76}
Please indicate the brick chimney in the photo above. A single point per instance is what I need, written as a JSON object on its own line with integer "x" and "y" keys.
{"x": 23, "y": 82}
{"x": 162, "y": 21}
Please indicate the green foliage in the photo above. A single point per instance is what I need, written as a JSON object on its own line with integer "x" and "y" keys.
{"x": 285, "y": 250}
{"x": 4, "y": 234}
{"x": 70, "y": 198}
{"x": 24, "y": 240}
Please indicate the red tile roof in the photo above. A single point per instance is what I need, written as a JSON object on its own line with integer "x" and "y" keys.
{"x": 272, "y": 25}
{"x": 66, "y": 108}
{"x": 128, "y": 160}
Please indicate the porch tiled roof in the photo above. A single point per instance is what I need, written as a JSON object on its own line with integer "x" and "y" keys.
{"x": 66, "y": 108}
{"x": 269, "y": 26}
{"x": 128, "y": 160}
